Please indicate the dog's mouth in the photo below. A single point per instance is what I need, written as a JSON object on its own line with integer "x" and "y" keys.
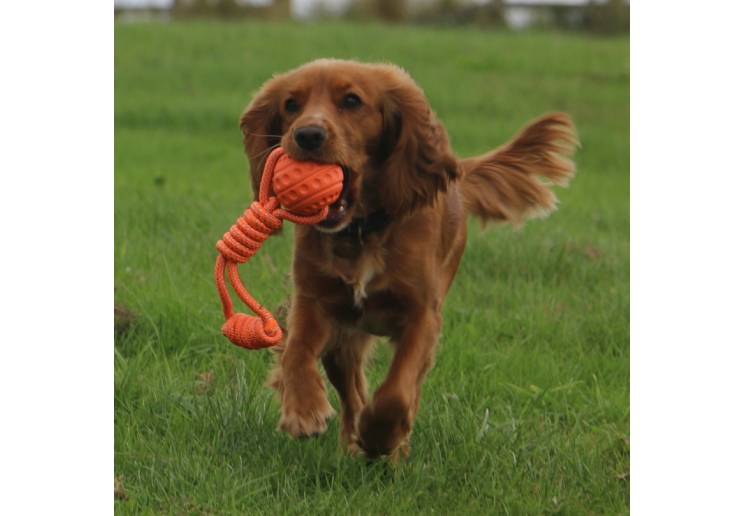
{"x": 341, "y": 208}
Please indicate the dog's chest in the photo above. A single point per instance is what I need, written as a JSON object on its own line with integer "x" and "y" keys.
{"x": 367, "y": 302}
{"x": 359, "y": 273}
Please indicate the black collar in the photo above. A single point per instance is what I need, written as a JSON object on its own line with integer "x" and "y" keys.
{"x": 360, "y": 228}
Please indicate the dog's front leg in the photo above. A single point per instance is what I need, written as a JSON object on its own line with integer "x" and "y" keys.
{"x": 344, "y": 366}
{"x": 303, "y": 393}
{"x": 386, "y": 423}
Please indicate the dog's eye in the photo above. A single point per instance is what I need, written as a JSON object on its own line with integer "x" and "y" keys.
{"x": 351, "y": 101}
{"x": 291, "y": 106}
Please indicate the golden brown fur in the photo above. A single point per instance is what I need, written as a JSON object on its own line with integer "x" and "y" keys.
{"x": 354, "y": 279}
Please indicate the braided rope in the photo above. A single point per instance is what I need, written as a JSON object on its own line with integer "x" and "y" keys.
{"x": 237, "y": 246}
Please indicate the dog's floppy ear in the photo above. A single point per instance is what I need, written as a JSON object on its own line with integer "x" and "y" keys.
{"x": 417, "y": 162}
{"x": 261, "y": 125}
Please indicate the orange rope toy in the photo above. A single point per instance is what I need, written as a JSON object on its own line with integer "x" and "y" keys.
{"x": 302, "y": 186}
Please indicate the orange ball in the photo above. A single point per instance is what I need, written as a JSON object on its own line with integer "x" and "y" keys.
{"x": 306, "y": 187}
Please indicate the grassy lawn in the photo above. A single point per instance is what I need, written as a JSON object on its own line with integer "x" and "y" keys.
{"x": 528, "y": 408}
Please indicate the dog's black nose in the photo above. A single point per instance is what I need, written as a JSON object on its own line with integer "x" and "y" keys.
{"x": 310, "y": 137}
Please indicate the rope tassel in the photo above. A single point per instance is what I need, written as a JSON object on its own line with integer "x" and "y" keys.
{"x": 240, "y": 243}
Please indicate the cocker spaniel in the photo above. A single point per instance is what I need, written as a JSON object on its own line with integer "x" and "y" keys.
{"x": 382, "y": 261}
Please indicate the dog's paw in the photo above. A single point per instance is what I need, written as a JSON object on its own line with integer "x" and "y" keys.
{"x": 384, "y": 432}
{"x": 305, "y": 418}
{"x": 372, "y": 453}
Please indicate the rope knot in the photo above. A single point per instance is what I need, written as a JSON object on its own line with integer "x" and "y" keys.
{"x": 249, "y": 232}
{"x": 251, "y": 332}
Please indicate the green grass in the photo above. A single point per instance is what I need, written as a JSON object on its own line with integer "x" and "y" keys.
{"x": 528, "y": 408}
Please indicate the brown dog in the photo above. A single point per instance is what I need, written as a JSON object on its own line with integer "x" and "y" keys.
{"x": 382, "y": 262}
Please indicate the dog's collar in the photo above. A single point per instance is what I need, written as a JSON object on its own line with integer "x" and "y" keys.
{"x": 349, "y": 242}
{"x": 360, "y": 228}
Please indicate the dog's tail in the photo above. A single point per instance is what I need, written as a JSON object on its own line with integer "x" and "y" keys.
{"x": 503, "y": 185}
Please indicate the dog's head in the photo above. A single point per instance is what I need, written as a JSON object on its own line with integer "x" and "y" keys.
{"x": 372, "y": 120}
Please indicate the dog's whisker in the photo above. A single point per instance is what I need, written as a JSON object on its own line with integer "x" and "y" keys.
{"x": 266, "y": 152}
{"x": 264, "y": 135}
{"x": 352, "y": 151}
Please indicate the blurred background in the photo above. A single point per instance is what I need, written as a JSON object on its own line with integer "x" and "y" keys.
{"x": 598, "y": 16}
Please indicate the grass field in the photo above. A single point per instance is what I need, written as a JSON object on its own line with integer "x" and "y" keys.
{"x": 528, "y": 408}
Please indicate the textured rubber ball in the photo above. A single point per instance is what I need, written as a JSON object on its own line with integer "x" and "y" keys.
{"x": 306, "y": 187}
